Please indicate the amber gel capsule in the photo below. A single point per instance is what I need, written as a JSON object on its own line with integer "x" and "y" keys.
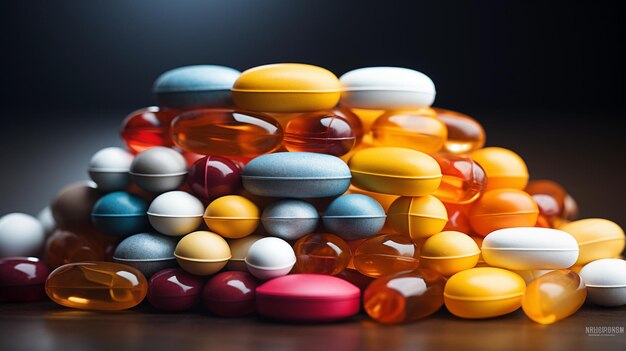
{"x": 554, "y": 296}
{"x": 104, "y": 286}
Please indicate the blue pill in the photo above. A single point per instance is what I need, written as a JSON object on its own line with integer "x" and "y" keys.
{"x": 354, "y": 216}
{"x": 198, "y": 86}
{"x": 290, "y": 219}
{"x": 296, "y": 175}
{"x": 148, "y": 252}
{"x": 120, "y": 213}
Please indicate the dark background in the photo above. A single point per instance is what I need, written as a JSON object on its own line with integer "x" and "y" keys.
{"x": 546, "y": 79}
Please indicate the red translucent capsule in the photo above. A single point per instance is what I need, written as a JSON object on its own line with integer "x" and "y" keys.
{"x": 321, "y": 132}
{"x": 554, "y": 203}
{"x": 213, "y": 176}
{"x": 321, "y": 254}
{"x": 457, "y": 218}
{"x": 463, "y": 179}
{"x": 65, "y": 246}
{"x": 22, "y": 279}
{"x": 148, "y": 127}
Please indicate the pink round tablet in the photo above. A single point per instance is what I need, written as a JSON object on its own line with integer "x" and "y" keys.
{"x": 308, "y": 298}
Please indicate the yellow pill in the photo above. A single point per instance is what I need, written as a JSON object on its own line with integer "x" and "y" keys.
{"x": 597, "y": 238}
{"x": 449, "y": 252}
{"x": 202, "y": 253}
{"x": 232, "y": 216}
{"x": 483, "y": 292}
{"x": 418, "y": 217}
{"x": 504, "y": 168}
{"x": 554, "y": 296}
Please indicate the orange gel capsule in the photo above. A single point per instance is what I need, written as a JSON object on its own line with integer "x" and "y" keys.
{"x": 321, "y": 253}
{"x": 554, "y": 296}
{"x": 457, "y": 218}
{"x": 465, "y": 134}
{"x": 404, "y": 297}
{"x": 226, "y": 132}
{"x": 386, "y": 254}
{"x": 420, "y": 130}
{"x": 104, "y": 286}
{"x": 462, "y": 181}
{"x": 321, "y": 132}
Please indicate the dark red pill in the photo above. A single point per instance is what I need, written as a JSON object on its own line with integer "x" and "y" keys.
{"x": 214, "y": 176}
{"x": 230, "y": 294}
{"x": 22, "y": 279}
{"x": 174, "y": 290}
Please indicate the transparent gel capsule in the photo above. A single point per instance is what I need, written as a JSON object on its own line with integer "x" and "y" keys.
{"x": 465, "y": 134}
{"x": 554, "y": 296}
{"x": 463, "y": 180}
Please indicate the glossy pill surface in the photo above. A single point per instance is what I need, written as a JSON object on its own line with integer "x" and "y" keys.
{"x": 404, "y": 297}
{"x": 386, "y": 254}
{"x": 504, "y": 168}
{"x": 398, "y": 171}
{"x": 202, "y": 253}
{"x": 175, "y": 213}
{"x": 20, "y": 235}
{"x": 462, "y": 181}
{"x": 449, "y": 252}
{"x": 606, "y": 281}
{"x": 354, "y": 216}
{"x": 419, "y": 130}
{"x": 104, "y": 286}
{"x": 230, "y": 294}
{"x": 290, "y": 219}
{"x": 158, "y": 169}
{"x": 174, "y": 290}
{"x": 550, "y": 197}
{"x": 148, "y": 252}
{"x": 321, "y": 132}
{"x": 465, "y": 134}
{"x": 197, "y": 86}
{"x": 418, "y": 217}
{"x": 597, "y": 238}
{"x": 286, "y": 87}
{"x": 239, "y": 250}
{"x": 554, "y": 296}
{"x": 386, "y": 88}
{"x": 226, "y": 132}
{"x": 109, "y": 167}
{"x": 22, "y": 279}
{"x": 269, "y": 258}
{"x": 502, "y": 208}
{"x": 457, "y": 218}
{"x": 296, "y": 175}
{"x": 483, "y": 292}
{"x": 148, "y": 127}
{"x": 524, "y": 248}
{"x": 65, "y": 246}
{"x": 214, "y": 176}
{"x": 232, "y": 216}
{"x": 120, "y": 213}
{"x": 71, "y": 206}
{"x": 308, "y": 298}
{"x": 321, "y": 253}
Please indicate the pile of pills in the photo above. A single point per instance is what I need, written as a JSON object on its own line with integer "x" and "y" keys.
{"x": 291, "y": 193}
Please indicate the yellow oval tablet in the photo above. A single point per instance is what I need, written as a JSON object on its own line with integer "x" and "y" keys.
{"x": 449, "y": 252}
{"x": 597, "y": 238}
{"x": 418, "y": 217}
{"x": 504, "y": 168}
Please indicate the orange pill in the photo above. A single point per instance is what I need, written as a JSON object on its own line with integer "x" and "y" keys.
{"x": 465, "y": 134}
{"x": 321, "y": 253}
{"x": 554, "y": 296}
{"x": 386, "y": 254}
{"x": 321, "y": 132}
{"x": 503, "y": 208}
{"x": 419, "y": 130}
{"x": 504, "y": 168}
{"x": 457, "y": 218}
{"x": 462, "y": 181}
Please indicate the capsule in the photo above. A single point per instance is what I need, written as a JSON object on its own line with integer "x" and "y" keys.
{"x": 462, "y": 181}
{"x": 386, "y": 254}
{"x": 148, "y": 127}
{"x": 504, "y": 168}
{"x": 103, "y": 286}
{"x": 321, "y": 132}
{"x": 555, "y": 204}
{"x": 226, "y": 132}
{"x": 65, "y": 246}
{"x": 418, "y": 130}
{"x": 503, "y": 208}
{"x": 404, "y": 297}
{"x": 457, "y": 218}
{"x": 321, "y": 253}
{"x": 554, "y": 296}
{"x": 465, "y": 134}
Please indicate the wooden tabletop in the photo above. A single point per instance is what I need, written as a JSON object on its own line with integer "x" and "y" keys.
{"x": 46, "y": 326}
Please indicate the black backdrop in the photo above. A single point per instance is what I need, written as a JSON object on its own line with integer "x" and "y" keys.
{"x": 545, "y": 78}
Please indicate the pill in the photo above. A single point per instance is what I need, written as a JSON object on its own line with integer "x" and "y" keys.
{"x": 104, "y": 286}
{"x": 419, "y": 130}
{"x": 230, "y": 294}
{"x": 65, "y": 246}
{"x": 465, "y": 134}
{"x": 321, "y": 253}
{"x": 22, "y": 279}
{"x": 47, "y": 220}
{"x": 109, "y": 167}
{"x": 269, "y": 258}
{"x": 232, "y": 216}
{"x": 606, "y": 281}
{"x": 449, "y": 252}
{"x": 457, "y": 218}
{"x": 239, "y": 250}
{"x": 524, "y": 248}
{"x": 120, "y": 213}
{"x": 226, "y": 132}
{"x": 174, "y": 290}
{"x": 211, "y": 177}
{"x": 290, "y": 219}
{"x": 597, "y": 238}
{"x": 148, "y": 127}
{"x": 398, "y": 171}
{"x": 462, "y": 181}
{"x": 418, "y": 217}
{"x": 20, "y": 235}
{"x": 404, "y": 297}
{"x": 308, "y": 298}
{"x": 504, "y": 168}
{"x": 532, "y": 274}
{"x": 367, "y": 118}
{"x": 158, "y": 169}
{"x": 483, "y": 292}
{"x": 386, "y": 88}
{"x": 202, "y": 253}
{"x": 356, "y": 278}
{"x": 296, "y": 175}
{"x": 386, "y": 254}
{"x": 385, "y": 200}
{"x": 554, "y": 296}
{"x": 502, "y": 208}
{"x": 354, "y": 216}
{"x": 71, "y": 206}
{"x": 175, "y": 213}
{"x": 286, "y": 87}
{"x": 321, "y": 132}
{"x": 197, "y": 86}
{"x": 148, "y": 252}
